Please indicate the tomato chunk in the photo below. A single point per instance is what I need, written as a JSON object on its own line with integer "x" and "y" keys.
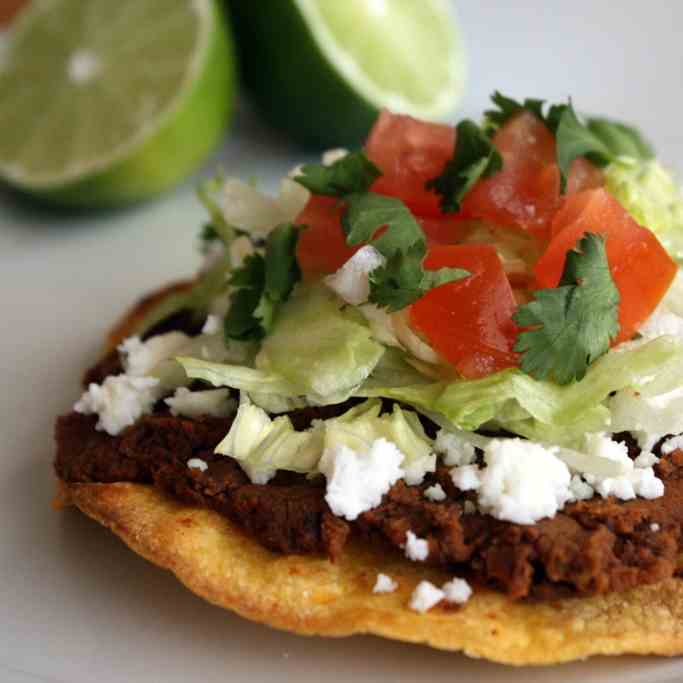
{"x": 525, "y": 194}
{"x": 449, "y": 229}
{"x": 641, "y": 268}
{"x": 469, "y": 322}
{"x": 409, "y": 153}
{"x": 322, "y": 245}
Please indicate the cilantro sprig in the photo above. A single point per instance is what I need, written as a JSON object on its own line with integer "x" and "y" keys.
{"x": 350, "y": 174}
{"x": 474, "y": 157}
{"x": 262, "y": 284}
{"x": 571, "y": 326}
{"x": 386, "y": 223}
{"x": 507, "y": 107}
{"x": 598, "y": 139}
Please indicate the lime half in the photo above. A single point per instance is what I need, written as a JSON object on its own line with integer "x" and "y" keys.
{"x": 110, "y": 101}
{"x": 322, "y": 69}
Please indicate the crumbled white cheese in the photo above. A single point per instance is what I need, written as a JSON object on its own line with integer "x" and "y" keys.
{"x": 466, "y": 477}
{"x": 417, "y": 549}
{"x": 415, "y": 469}
{"x": 600, "y": 445}
{"x": 356, "y": 482}
{"x": 619, "y": 487}
{"x": 119, "y": 401}
{"x": 197, "y": 464}
{"x": 212, "y": 324}
{"x": 425, "y": 596}
{"x": 351, "y": 281}
{"x": 435, "y": 493}
{"x": 579, "y": 489}
{"x": 213, "y": 402}
{"x": 456, "y": 448}
{"x": 329, "y": 156}
{"x": 654, "y": 527}
{"x": 639, "y": 482}
{"x": 384, "y": 584}
{"x": 645, "y": 459}
{"x": 673, "y": 444}
{"x": 522, "y": 481}
{"x": 646, "y": 484}
{"x": 457, "y": 591}
{"x": 140, "y": 357}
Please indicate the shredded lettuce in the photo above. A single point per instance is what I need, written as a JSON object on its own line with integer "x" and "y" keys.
{"x": 650, "y": 193}
{"x": 237, "y": 377}
{"x": 323, "y": 351}
{"x": 263, "y": 445}
{"x": 274, "y": 404}
{"x": 210, "y": 347}
{"x": 539, "y": 410}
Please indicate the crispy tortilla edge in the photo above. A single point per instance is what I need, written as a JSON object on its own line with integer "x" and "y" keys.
{"x": 313, "y": 596}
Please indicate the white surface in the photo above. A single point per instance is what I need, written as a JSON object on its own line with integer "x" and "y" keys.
{"x": 75, "y": 605}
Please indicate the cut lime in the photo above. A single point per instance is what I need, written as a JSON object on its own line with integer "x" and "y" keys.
{"x": 110, "y": 101}
{"x": 322, "y": 69}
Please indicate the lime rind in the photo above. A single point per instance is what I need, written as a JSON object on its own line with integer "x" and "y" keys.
{"x": 356, "y": 72}
{"x": 101, "y": 177}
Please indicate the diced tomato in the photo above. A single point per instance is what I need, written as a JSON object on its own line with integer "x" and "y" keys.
{"x": 640, "y": 266}
{"x": 409, "y": 153}
{"x": 448, "y": 229}
{"x": 469, "y": 322}
{"x": 322, "y": 245}
{"x": 525, "y": 194}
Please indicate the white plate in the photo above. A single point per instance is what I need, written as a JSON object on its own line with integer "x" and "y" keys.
{"x": 75, "y": 604}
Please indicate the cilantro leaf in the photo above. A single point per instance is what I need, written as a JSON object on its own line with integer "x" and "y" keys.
{"x": 208, "y": 233}
{"x": 621, "y": 139}
{"x": 282, "y": 269}
{"x": 403, "y": 279}
{"x": 574, "y": 139}
{"x": 571, "y": 325}
{"x": 368, "y": 212}
{"x": 600, "y": 140}
{"x": 352, "y": 173}
{"x": 385, "y": 222}
{"x": 552, "y": 118}
{"x": 262, "y": 284}
{"x": 248, "y": 281}
{"x": 474, "y": 157}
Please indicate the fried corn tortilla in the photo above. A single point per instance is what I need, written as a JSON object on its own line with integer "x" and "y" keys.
{"x": 314, "y": 596}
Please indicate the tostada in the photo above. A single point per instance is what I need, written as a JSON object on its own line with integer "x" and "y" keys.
{"x": 433, "y": 391}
